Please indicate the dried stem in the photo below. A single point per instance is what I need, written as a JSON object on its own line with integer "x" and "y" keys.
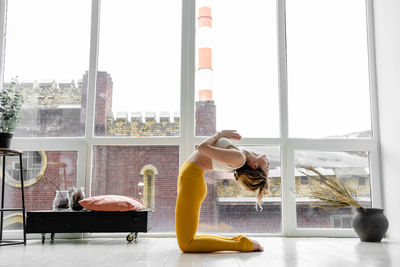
{"x": 333, "y": 193}
{"x": 56, "y": 186}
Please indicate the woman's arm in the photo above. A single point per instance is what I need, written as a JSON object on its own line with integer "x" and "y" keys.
{"x": 232, "y": 157}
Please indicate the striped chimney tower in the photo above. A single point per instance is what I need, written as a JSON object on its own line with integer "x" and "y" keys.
{"x": 204, "y": 71}
{"x": 205, "y": 107}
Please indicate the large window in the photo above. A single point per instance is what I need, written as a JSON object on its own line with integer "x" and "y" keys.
{"x": 47, "y": 51}
{"x": 231, "y": 208}
{"x": 117, "y": 94}
{"x": 237, "y": 67}
{"x": 350, "y": 167}
{"x": 147, "y": 173}
{"x": 328, "y": 69}
{"x": 139, "y": 59}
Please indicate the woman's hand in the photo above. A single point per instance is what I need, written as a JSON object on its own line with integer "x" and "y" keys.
{"x": 230, "y": 134}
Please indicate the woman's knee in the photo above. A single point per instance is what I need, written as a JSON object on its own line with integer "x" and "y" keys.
{"x": 184, "y": 246}
{"x": 184, "y": 243}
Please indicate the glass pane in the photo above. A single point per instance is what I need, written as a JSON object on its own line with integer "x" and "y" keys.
{"x": 47, "y": 50}
{"x": 350, "y": 167}
{"x": 236, "y": 68}
{"x": 229, "y": 208}
{"x": 43, "y": 173}
{"x": 328, "y": 79}
{"x": 138, "y": 88}
{"x": 146, "y": 173}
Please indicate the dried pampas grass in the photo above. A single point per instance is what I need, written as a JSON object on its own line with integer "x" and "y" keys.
{"x": 332, "y": 192}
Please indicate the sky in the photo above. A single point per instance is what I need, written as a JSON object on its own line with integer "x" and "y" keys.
{"x": 140, "y": 47}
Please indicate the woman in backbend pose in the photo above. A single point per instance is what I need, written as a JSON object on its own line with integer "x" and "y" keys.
{"x": 216, "y": 153}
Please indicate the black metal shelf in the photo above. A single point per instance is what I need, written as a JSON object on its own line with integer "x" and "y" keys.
{"x": 11, "y": 209}
{"x": 4, "y": 152}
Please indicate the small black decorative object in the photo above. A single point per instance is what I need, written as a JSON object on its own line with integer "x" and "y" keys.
{"x": 370, "y": 224}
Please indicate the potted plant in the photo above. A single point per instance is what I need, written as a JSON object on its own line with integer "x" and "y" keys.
{"x": 11, "y": 100}
{"x": 370, "y": 224}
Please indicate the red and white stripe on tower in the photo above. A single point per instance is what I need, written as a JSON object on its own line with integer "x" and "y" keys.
{"x": 204, "y": 71}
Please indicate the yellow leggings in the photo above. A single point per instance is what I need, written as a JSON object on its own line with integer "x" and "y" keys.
{"x": 192, "y": 190}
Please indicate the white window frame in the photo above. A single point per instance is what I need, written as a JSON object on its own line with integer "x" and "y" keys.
{"x": 187, "y": 139}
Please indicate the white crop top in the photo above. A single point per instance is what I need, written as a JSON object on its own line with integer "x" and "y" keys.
{"x": 221, "y": 166}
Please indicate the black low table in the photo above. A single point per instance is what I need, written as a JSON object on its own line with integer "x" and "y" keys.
{"x": 87, "y": 221}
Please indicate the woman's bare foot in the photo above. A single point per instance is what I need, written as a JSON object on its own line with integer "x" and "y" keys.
{"x": 256, "y": 246}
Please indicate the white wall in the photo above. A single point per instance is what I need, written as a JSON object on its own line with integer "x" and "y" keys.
{"x": 387, "y": 38}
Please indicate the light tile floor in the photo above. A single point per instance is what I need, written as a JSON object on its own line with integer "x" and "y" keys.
{"x": 279, "y": 251}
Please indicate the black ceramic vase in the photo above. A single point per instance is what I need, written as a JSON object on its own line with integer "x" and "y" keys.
{"x": 5, "y": 140}
{"x": 370, "y": 224}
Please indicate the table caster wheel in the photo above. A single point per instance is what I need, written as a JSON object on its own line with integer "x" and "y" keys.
{"x": 129, "y": 238}
{"x": 43, "y": 238}
{"x": 52, "y": 236}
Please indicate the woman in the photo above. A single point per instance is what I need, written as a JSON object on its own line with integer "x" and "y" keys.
{"x": 216, "y": 153}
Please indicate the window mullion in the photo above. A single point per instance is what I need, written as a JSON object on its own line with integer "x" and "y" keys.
{"x": 187, "y": 78}
{"x": 372, "y": 70}
{"x": 375, "y": 159}
{"x": 91, "y": 93}
{"x": 288, "y": 185}
{"x": 92, "y": 74}
{"x": 282, "y": 67}
{"x": 375, "y": 180}
{"x": 287, "y": 180}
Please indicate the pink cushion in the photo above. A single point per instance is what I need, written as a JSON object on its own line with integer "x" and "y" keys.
{"x": 111, "y": 203}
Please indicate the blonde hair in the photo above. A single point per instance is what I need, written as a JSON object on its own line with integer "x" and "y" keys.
{"x": 253, "y": 180}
